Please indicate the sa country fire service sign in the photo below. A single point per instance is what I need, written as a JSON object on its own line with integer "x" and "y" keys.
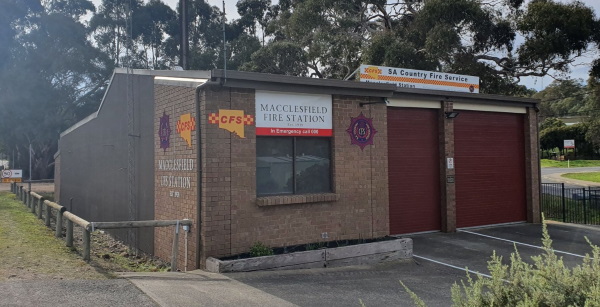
{"x": 411, "y": 78}
{"x": 232, "y": 121}
{"x": 290, "y": 114}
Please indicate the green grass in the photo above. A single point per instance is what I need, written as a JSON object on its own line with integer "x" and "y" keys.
{"x": 29, "y": 250}
{"x": 573, "y": 163}
{"x": 592, "y": 176}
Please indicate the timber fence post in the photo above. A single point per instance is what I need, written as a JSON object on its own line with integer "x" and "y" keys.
{"x": 48, "y": 213}
{"x": 86, "y": 244}
{"x": 69, "y": 238}
{"x": 59, "y": 223}
{"x": 40, "y": 201}
{"x": 32, "y": 201}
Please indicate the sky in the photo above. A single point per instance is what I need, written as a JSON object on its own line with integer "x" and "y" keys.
{"x": 579, "y": 71}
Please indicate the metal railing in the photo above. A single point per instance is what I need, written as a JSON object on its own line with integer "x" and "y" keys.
{"x": 46, "y": 209}
{"x": 571, "y": 205}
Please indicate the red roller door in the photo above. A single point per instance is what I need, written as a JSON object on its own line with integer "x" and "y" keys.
{"x": 413, "y": 170}
{"x": 490, "y": 168}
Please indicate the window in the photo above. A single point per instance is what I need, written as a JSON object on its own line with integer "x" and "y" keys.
{"x": 293, "y": 165}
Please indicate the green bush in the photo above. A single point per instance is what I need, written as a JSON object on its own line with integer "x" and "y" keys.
{"x": 259, "y": 249}
{"x": 545, "y": 282}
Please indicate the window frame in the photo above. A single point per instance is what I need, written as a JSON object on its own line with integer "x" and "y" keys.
{"x": 294, "y": 151}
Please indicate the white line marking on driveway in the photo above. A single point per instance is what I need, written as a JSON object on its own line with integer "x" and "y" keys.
{"x": 452, "y": 266}
{"x": 521, "y": 243}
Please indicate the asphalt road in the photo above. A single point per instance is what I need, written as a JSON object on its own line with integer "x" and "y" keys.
{"x": 560, "y": 170}
{"x": 552, "y": 175}
{"x": 439, "y": 262}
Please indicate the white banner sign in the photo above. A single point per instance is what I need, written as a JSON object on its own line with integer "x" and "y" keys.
{"x": 569, "y": 144}
{"x": 291, "y": 114}
{"x": 12, "y": 175}
{"x": 411, "y": 78}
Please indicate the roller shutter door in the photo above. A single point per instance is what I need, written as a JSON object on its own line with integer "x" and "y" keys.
{"x": 490, "y": 168}
{"x": 413, "y": 170}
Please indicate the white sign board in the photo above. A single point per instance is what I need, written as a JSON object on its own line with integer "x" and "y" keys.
{"x": 421, "y": 79}
{"x": 290, "y": 114}
{"x": 569, "y": 144}
{"x": 12, "y": 175}
{"x": 450, "y": 163}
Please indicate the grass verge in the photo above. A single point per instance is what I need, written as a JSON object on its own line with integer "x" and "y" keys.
{"x": 592, "y": 176}
{"x": 29, "y": 250}
{"x": 565, "y": 164}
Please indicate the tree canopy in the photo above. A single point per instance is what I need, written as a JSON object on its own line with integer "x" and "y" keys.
{"x": 56, "y": 56}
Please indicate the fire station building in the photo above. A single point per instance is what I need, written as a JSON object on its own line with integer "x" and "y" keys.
{"x": 252, "y": 157}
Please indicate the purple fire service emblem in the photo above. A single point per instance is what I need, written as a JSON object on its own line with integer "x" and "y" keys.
{"x": 361, "y": 131}
{"x": 164, "y": 131}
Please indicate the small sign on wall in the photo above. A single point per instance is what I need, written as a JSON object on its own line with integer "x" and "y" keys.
{"x": 361, "y": 131}
{"x": 233, "y": 121}
{"x": 450, "y": 163}
{"x": 164, "y": 131}
{"x": 185, "y": 125}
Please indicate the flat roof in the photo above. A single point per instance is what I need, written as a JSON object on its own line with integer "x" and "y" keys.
{"x": 263, "y": 81}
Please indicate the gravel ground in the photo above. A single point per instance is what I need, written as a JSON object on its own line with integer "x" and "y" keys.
{"x": 66, "y": 293}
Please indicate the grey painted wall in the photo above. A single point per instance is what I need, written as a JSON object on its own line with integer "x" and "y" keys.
{"x": 94, "y": 160}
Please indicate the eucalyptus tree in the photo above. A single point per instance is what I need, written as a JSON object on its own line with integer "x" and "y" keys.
{"x": 111, "y": 29}
{"x": 150, "y": 25}
{"x": 501, "y": 41}
{"x": 52, "y": 77}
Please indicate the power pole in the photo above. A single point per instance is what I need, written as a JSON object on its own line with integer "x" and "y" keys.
{"x": 184, "y": 34}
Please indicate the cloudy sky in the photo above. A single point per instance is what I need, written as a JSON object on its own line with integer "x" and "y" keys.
{"x": 580, "y": 71}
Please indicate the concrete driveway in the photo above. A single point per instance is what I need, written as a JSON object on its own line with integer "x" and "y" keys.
{"x": 439, "y": 262}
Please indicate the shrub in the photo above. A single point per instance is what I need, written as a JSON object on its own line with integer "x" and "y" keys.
{"x": 259, "y": 249}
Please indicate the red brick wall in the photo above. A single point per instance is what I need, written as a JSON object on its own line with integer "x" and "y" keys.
{"x": 173, "y": 203}
{"x": 233, "y": 219}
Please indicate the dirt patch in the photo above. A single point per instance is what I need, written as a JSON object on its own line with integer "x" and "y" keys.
{"x": 29, "y": 250}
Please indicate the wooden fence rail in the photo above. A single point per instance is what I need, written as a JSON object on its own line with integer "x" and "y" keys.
{"x": 36, "y": 203}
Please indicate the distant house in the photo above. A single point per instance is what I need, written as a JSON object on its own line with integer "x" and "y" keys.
{"x": 573, "y": 120}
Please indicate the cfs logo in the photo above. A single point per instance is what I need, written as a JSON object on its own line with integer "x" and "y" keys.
{"x": 185, "y": 125}
{"x": 232, "y": 121}
{"x": 361, "y": 131}
{"x": 373, "y": 72}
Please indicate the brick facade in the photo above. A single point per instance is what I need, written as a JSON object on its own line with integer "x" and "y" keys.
{"x": 174, "y": 198}
{"x": 234, "y": 218}
{"x": 448, "y": 187}
{"x": 532, "y": 166}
